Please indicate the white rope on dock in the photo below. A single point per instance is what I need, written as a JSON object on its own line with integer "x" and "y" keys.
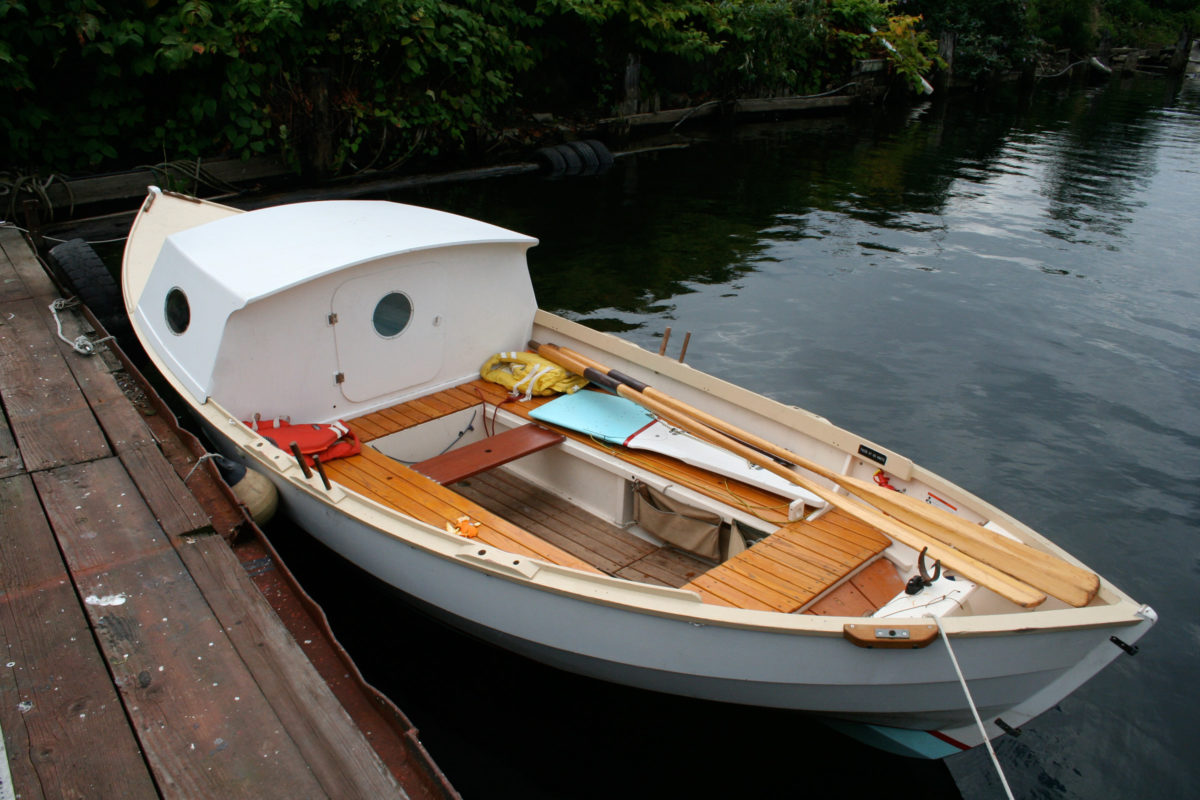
{"x": 81, "y": 344}
{"x": 974, "y": 711}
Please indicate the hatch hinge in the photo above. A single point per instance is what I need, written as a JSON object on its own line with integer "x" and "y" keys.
{"x": 332, "y": 319}
{"x": 339, "y": 378}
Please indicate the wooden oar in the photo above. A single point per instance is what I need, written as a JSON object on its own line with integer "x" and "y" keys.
{"x": 1074, "y": 585}
{"x": 1048, "y": 572}
{"x": 985, "y": 574}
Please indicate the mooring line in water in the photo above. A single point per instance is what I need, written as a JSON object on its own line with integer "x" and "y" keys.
{"x": 974, "y": 711}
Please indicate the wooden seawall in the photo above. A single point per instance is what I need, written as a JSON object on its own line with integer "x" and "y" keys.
{"x": 139, "y": 656}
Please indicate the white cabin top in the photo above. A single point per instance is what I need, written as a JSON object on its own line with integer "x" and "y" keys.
{"x": 319, "y": 309}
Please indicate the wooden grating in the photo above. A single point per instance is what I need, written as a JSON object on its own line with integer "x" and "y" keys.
{"x": 794, "y": 565}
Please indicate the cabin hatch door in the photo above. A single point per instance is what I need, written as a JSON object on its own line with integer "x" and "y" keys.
{"x": 381, "y": 349}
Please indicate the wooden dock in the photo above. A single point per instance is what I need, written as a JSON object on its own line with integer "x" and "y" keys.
{"x": 140, "y": 656}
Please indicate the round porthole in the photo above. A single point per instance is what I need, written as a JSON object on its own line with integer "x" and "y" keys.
{"x": 392, "y": 314}
{"x": 177, "y": 311}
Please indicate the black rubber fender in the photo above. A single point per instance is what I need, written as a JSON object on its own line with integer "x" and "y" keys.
{"x": 590, "y": 164}
{"x": 578, "y": 157}
{"x": 551, "y": 161}
{"x": 81, "y": 272}
{"x": 604, "y": 156}
{"x": 571, "y": 157}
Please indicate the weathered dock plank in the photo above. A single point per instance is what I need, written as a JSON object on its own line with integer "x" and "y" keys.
{"x": 57, "y": 701}
{"x": 128, "y": 434}
{"x": 50, "y": 419}
{"x": 10, "y": 456}
{"x": 203, "y": 722}
{"x": 332, "y": 746}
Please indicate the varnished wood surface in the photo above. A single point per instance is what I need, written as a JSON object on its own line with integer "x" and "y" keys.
{"x": 486, "y": 454}
{"x": 391, "y": 483}
{"x": 796, "y": 564}
{"x": 771, "y": 508}
{"x": 863, "y": 594}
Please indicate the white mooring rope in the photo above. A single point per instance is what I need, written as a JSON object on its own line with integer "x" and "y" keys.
{"x": 975, "y": 711}
{"x": 82, "y": 344}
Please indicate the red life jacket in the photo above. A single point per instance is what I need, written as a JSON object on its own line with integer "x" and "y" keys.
{"x": 327, "y": 440}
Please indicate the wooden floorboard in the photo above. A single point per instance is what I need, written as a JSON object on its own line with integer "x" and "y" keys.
{"x": 378, "y": 477}
{"x": 771, "y": 508}
{"x": 610, "y": 547}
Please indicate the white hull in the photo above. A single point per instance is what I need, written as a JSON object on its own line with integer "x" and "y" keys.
{"x": 1018, "y": 662}
{"x": 687, "y": 655}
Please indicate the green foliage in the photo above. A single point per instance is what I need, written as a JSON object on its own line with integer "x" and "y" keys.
{"x": 991, "y": 36}
{"x": 1148, "y": 23}
{"x": 1065, "y": 23}
{"x": 348, "y": 84}
{"x": 776, "y": 47}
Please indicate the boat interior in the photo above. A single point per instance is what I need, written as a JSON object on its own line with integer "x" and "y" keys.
{"x": 468, "y": 458}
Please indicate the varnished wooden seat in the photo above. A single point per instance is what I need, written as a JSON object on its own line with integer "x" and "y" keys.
{"x": 463, "y": 462}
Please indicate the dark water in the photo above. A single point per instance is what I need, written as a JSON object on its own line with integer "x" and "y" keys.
{"x": 1005, "y": 290}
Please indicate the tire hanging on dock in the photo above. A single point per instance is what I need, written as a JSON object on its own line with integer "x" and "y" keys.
{"x": 580, "y": 157}
{"x": 80, "y": 271}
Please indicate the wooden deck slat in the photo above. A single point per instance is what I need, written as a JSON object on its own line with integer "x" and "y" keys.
{"x": 10, "y": 454}
{"x": 366, "y": 479}
{"x": 795, "y": 543}
{"x": 844, "y": 601}
{"x": 864, "y": 594}
{"x": 570, "y": 539}
{"x": 366, "y": 430}
{"x": 879, "y": 582}
{"x": 798, "y": 560}
{"x": 781, "y": 581}
{"x": 435, "y": 504}
{"x": 734, "y": 596}
{"x": 807, "y": 542}
{"x": 50, "y": 419}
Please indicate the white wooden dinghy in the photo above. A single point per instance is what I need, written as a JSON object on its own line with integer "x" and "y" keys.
{"x": 560, "y": 546}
